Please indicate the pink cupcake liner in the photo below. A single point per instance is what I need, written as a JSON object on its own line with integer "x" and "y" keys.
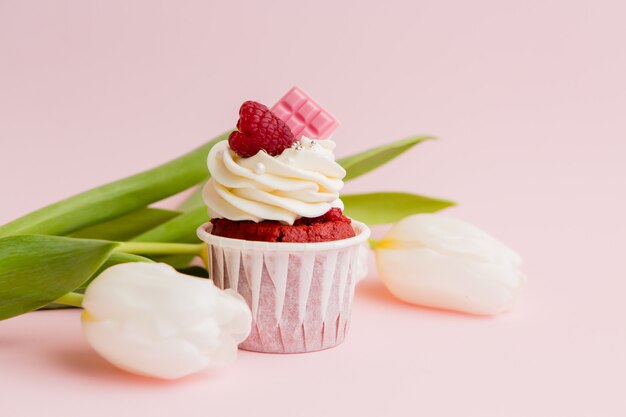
{"x": 300, "y": 294}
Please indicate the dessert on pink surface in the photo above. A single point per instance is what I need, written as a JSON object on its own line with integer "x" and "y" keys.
{"x": 271, "y": 180}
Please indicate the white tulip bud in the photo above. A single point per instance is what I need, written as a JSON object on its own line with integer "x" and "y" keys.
{"x": 151, "y": 320}
{"x": 437, "y": 261}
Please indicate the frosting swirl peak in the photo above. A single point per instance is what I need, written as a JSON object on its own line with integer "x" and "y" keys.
{"x": 303, "y": 181}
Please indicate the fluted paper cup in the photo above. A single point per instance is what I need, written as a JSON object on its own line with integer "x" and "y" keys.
{"x": 300, "y": 294}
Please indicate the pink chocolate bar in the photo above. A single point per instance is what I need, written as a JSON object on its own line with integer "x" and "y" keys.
{"x": 304, "y": 116}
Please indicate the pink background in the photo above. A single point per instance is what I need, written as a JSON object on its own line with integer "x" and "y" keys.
{"x": 528, "y": 98}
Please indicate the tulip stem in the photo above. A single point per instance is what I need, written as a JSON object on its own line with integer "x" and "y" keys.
{"x": 155, "y": 248}
{"x": 71, "y": 299}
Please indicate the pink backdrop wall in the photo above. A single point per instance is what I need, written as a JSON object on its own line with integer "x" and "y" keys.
{"x": 527, "y": 97}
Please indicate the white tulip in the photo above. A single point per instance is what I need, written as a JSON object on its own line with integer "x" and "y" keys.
{"x": 437, "y": 261}
{"x": 151, "y": 320}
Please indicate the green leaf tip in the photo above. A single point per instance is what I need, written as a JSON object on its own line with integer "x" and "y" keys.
{"x": 366, "y": 161}
{"x": 35, "y": 270}
{"x": 389, "y": 207}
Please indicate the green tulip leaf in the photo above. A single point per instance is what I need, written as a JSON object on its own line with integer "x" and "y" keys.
{"x": 383, "y": 208}
{"x": 117, "y": 198}
{"x": 176, "y": 261}
{"x": 36, "y": 270}
{"x": 364, "y": 162}
{"x": 114, "y": 259}
{"x": 127, "y": 226}
{"x": 193, "y": 201}
{"x": 181, "y": 228}
{"x": 196, "y": 271}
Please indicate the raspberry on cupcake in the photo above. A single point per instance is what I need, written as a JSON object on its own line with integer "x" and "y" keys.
{"x": 259, "y": 129}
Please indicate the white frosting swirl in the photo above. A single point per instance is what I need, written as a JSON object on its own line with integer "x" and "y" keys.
{"x": 303, "y": 181}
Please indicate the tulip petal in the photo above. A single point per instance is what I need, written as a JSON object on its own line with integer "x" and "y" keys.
{"x": 151, "y": 320}
{"x": 450, "y": 236}
{"x": 436, "y": 261}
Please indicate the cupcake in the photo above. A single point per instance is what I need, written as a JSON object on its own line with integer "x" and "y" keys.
{"x": 278, "y": 235}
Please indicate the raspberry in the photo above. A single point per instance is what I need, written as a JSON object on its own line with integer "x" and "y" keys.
{"x": 259, "y": 129}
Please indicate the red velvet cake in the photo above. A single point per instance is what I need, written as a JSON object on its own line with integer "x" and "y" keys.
{"x": 331, "y": 226}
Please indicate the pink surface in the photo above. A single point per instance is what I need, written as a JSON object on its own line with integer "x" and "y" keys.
{"x": 304, "y": 115}
{"x": 528, "y": 99}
